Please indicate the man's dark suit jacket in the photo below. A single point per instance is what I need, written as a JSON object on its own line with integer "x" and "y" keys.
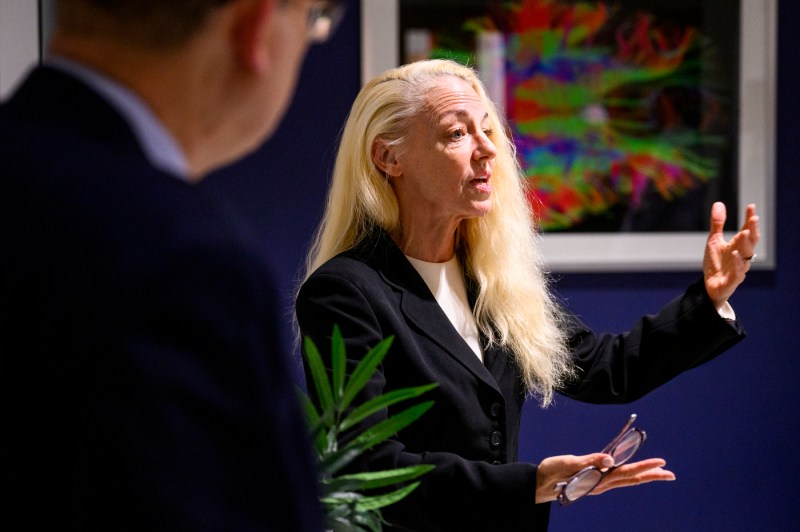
{"x": 472, "y": 431}
{"x": 143, "y": 384}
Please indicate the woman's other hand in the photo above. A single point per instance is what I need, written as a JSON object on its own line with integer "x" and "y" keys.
{"x": 726, "y": 263}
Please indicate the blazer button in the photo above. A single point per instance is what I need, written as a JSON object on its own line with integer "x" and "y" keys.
{"x": 495, "y": 438}
{"x": 494, "y": 410}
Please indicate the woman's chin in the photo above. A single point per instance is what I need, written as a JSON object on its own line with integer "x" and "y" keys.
{"x": 481, "y": 208}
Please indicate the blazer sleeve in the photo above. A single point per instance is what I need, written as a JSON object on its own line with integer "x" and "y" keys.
{"x": 459, "y": 494}
{"x": 620, "y": 368}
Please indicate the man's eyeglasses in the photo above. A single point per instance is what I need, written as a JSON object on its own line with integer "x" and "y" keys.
{"x": 621, "y": 449}
{"x": 323, "y": 18}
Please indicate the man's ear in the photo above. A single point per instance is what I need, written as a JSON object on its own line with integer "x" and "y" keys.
{"x": 252, "y": 21}
{"x": 384, "y": 158}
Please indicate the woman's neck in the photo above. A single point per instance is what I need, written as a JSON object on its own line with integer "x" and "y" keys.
{"x": 433, "y": 244}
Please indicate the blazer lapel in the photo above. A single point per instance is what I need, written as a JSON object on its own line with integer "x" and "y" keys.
{"x": 495, "y": 360}
{"x": 421, "y": 309}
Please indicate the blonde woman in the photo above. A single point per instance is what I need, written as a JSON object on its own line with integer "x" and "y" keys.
{"x": 428, "y": 236}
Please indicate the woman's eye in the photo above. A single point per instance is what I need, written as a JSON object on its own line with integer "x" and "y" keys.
{"x": 488, "y": 132}
{"x": 457, "y": 134}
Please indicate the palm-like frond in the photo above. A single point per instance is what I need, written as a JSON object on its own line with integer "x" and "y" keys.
{"x": 347, "y": 506}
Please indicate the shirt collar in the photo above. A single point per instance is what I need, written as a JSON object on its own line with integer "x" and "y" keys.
{"x": 158, "y": 144}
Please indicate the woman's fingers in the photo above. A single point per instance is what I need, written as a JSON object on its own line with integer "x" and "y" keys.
{"x": 635, "y": 473}
{"x": 561, "y": 468}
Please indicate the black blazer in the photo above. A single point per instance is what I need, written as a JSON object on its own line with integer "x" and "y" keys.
{"x": 143, "y": 384}
{"x": 472, "y": 431}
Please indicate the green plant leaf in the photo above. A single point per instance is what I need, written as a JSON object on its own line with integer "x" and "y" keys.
{"x": 349, "y": 525}
{"x": 318, "y": 375}
{"x": 314, "y": 423}
{"x": 375, "y": 502}
{"x": 376, "y": 404}
{"x": 338, "y": 363}
{"x": 347, "y": 508}
{"x": 340, "y": 509}
{"x": 376, "y": 479}
{"x": 371, "y": 521}
{"x": 388, "y": 427}
{"x": 340, "y": 497}
{"x": 343, "y": 516}
{"x": 364, "y": 371}
{"x": 323, "y": 423}
{"x": 334, "y": 461}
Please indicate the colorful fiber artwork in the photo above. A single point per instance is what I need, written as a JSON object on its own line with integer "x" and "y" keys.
{"x": 607, "y": 106}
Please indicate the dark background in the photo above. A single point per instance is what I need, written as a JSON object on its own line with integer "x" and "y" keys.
{"x": 728, "y": 429}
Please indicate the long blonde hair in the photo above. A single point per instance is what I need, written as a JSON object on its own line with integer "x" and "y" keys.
{"x": 514, "y": 306}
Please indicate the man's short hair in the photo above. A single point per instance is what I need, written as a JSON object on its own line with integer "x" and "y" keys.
{"x": 140, "y": 23}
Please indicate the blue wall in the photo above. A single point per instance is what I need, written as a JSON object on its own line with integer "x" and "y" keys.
{"x": 729, "y": 429}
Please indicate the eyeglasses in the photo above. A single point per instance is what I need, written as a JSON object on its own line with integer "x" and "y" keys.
{"x": 621, "y": 449}
{"x": 323, "y": 18}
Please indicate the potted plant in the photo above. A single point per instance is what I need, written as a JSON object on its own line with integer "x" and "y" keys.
{"x": 353, "y": 502}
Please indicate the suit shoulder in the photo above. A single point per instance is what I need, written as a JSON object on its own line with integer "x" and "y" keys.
{"x": 347, "y": 265}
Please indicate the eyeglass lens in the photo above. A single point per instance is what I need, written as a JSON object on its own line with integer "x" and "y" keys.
{"x": 323, "y": 19}
{"x": 627, "y": 447}
{"x": 581, "y": 484}
{"x": 585, "y": 481}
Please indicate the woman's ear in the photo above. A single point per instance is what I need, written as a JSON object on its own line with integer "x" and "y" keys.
{"x": 383, "y": 157}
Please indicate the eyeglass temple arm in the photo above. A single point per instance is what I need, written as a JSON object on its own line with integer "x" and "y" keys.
{"x": 613, "y": 442}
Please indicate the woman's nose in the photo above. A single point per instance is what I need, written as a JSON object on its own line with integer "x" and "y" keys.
{"x": 485, "y": 148}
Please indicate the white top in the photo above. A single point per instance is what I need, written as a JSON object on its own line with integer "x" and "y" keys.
{"x": 446, "y": 282}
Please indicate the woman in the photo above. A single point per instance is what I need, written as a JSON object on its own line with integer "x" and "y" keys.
{"x": 427, "y": 236}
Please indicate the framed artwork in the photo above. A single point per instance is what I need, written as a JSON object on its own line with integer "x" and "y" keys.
{"x": 630, "y": 117}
